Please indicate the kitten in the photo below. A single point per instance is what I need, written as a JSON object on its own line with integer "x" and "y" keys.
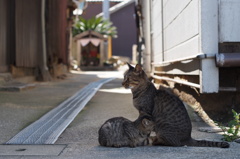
{"x": 172, "y": 123}
{"x": 121, "y": 132}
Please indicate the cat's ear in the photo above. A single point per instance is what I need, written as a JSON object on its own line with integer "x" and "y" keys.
{"x": 146, "y": 122}
{"x": 130, "y": 66}
{"x": 138, "y": 68}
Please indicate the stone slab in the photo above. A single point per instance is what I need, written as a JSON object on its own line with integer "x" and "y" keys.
{"x": 31, "y": 150}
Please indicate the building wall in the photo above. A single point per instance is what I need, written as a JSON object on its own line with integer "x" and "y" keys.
{"x": 3, "y": 36}
{"x": 21, "y": 33}
{"x": 28, "y": 33}
{"x": 124, "y": 20}
{"x": 156, "y": 27}
{"x": 180, "y": 28}
{"x": 229, "y": 21}
{"x": 57, "y": 31}
{"x": 94, "y": 8}
{"x": 187, "y": 28}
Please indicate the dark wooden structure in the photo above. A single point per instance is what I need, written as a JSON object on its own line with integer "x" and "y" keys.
{"x": 28, "y": 39}
{"x": 5, "y": 31}
{"x": 22, "y": 42}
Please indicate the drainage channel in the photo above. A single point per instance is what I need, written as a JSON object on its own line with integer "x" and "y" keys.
{"x": 48, "y": 128}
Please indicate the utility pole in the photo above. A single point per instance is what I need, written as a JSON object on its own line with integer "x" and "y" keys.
{"x": 106, "y": 16}
{"x": 105, "y": 9}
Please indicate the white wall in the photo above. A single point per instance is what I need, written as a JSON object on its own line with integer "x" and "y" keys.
{"x": 181, "y": 29}
{"x": 229, "y": 20}
{"x": 156, "y": 27}
{"x": 186, "y": 28}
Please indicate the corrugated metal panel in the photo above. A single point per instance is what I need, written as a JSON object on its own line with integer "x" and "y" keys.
{"x": 3, "y": 35}
{"x": 57, "y": 30}
{"x": 28, "y": 32}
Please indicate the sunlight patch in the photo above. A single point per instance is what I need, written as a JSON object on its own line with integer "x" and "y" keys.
{"x": 120, "y": 90}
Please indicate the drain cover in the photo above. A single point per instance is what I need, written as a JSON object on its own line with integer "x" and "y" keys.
{"x": 48, "y": 128}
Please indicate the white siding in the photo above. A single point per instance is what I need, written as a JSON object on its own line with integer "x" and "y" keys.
{"x": 181, "y": 34}
{"x": 229, "y": 21}
{"x": 192, "y": 27}
{"x": 183, "y": 50}
{"x": 181, "y": 29}
{"x": 156, "y": 31}
{"x": 172, "y": 9}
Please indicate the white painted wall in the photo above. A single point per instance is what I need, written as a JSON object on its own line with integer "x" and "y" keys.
{"x": 156, "y": 29}
{"x": 181, "y": 29}
{"x": 189, "y": 31}
{"x": 192, "y": 27}
{"x": 229, "y": 20}
{"x": 209, "y": 73}
{"x": 181, "y": 34}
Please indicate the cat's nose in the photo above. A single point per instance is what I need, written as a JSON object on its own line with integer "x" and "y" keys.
{"x": 124, "y": 84}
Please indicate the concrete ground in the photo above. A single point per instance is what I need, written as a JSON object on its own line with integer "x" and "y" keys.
{"x": 79, "y": 140}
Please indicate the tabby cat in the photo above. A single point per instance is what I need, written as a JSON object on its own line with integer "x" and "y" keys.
{"x": 121, "y": 132}
{"x": 172, "y": 123}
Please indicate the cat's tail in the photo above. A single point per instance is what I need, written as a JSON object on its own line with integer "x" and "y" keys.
{"x": 205, "y": 143}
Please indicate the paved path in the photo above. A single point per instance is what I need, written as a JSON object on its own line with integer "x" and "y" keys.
{"x": 79, "y": 140}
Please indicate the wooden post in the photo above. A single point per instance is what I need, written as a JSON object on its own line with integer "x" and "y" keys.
{"x": 109, "y": 47}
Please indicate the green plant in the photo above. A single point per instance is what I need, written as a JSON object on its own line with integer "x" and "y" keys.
{"x": 230, "y": 133}
{"x": 99, "y": 25}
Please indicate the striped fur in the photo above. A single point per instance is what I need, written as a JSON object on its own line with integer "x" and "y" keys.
{"x": 172, "y": 123}
{"x": 205, "y": 143}
{"x": 121, "y": 132}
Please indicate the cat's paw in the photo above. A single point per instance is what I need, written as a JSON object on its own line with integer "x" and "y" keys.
{"x": 117, "y": 145}
{"x": 132, "y": 145}
{"x": 152, "y": 140}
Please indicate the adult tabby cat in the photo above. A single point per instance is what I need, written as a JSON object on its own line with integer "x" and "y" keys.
{"x": 172, "y": 123}
{"x": 121, "y": 132}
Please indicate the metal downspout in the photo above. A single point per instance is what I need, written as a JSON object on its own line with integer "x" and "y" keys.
{"x": 162, "y": 33}
{"x": 43, "y": 66}
{"x": 147, "y": 52}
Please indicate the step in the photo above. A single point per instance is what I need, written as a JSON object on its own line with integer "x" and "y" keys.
{"x": 16, "y": 86}
{"x": 48, "y": 128}
{"x": 5, "y": 77}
